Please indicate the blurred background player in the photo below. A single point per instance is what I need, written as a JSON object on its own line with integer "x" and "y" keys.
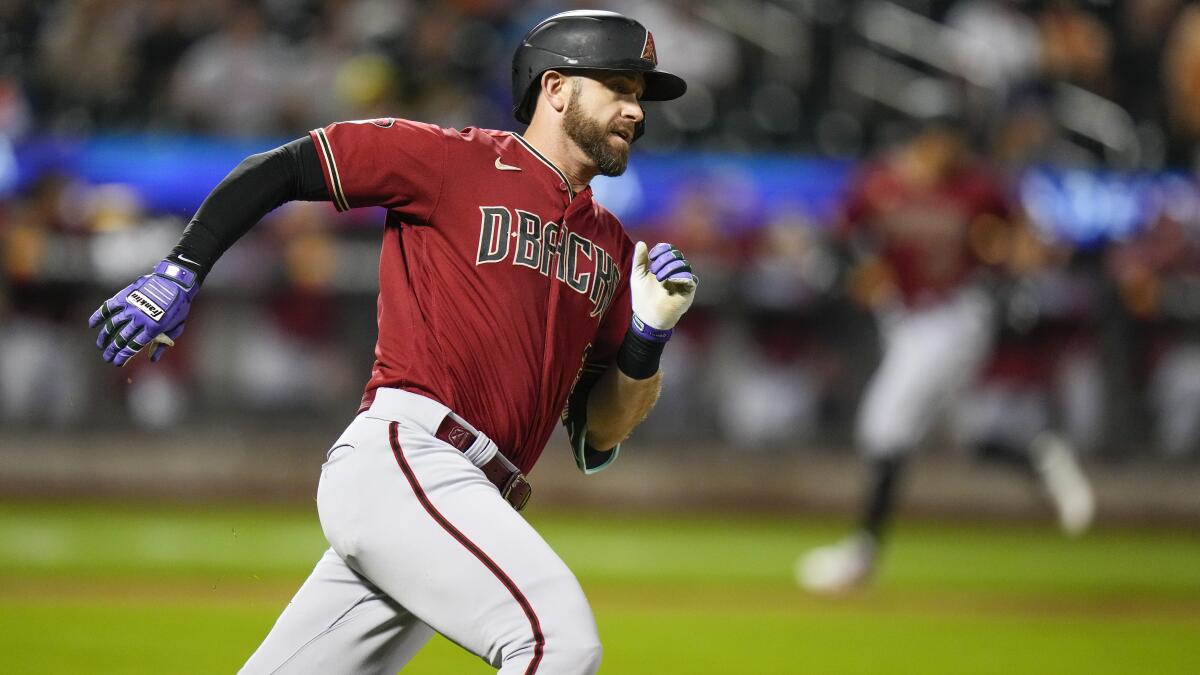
{"x": 931, "y": 229}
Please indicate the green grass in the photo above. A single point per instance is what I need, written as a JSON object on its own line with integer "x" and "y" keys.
{"x": 150, "y": 589}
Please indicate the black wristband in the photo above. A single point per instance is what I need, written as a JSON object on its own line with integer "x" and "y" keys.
{"x": 638, "y": 357}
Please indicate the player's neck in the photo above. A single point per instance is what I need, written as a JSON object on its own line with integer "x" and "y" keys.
{"x": 563, "y": 153}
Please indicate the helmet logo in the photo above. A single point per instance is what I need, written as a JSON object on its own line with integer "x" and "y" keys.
{"x": 648, "y": 52}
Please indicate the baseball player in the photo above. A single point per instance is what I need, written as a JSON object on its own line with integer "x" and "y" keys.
{"x": 504, "y": 305}
{"x": 930, "y": 225}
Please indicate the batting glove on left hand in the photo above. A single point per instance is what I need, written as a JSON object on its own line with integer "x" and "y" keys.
{"x": 662, "y": 286}
{"x": 151, "y": 310}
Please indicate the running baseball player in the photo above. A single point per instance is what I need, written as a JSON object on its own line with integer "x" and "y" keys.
{"x": 930, "y": 224}
{"x": 503, "y": 306}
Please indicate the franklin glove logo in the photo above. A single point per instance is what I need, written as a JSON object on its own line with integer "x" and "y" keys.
{"x": 146, "y": 305}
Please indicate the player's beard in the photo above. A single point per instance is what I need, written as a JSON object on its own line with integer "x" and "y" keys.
{"x": 592, "y": 137}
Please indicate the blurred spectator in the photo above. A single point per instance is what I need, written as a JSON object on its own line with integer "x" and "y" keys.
{"x": 1076, "y": 46}
{"x": 1029, "y": 135}
{"x": 350, "y": 57}
{"x": 16, "y": 118}
{"x": 88, "y": 62}
{"x": 775, "y": 378}
{"x": 287, "y": 358}
{"x": 19, "y": 24}
{"x": 1182, "y": 79}
{"x": 1159, "y": 278}
{"x": 997, "y": 45}
{"x": 167, "y": 33}
{"x": 233, "y": 81}
{"x": 44, "y": 377}
{"x": 329, "y": 81}
{"x": 1138, "y": 57}
{"x": 1175, "y": 399}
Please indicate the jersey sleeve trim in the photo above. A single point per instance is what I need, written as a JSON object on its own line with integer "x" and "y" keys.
{"x": 574, "y": 419}
{"x": 588, "y": 459}
{"x": 333, "y": 179}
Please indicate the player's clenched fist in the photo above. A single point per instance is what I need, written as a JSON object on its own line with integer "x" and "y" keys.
{"x": 662, "y": 286}
{"x": 150, "y": 310}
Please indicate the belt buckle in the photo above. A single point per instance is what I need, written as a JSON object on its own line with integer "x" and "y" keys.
{"x": 517, "y": 490}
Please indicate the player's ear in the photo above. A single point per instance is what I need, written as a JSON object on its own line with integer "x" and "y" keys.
{"x": 556, "y": 87}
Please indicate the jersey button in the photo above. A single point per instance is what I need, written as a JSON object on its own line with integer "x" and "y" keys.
{"x": 562, "y": 187}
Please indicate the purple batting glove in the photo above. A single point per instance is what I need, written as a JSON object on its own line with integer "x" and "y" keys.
{"x": 154, "y": 306}
{"x": 668, "y": 264}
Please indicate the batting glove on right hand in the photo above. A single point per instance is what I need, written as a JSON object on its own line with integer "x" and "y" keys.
{"x": 662, "y": 286}
{"x": 151, "y": 310}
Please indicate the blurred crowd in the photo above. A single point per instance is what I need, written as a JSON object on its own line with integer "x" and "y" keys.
{"x": 1100, "y": 340}
{"x": 1081, "y": 81}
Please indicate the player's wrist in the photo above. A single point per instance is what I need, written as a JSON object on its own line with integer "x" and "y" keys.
{"x": 183, "y": 275}
{"x": 639, "y": 356}
{"x": 649, "y": 332}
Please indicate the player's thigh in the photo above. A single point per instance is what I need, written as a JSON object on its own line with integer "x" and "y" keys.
{"x": 926, "y": 362}
{"x": 339, "y": 623}
{"x": 898, "y": 405}
{"x": 430, "y": 531}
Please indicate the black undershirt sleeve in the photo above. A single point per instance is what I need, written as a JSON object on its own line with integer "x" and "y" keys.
{"x": 258, "y": 185}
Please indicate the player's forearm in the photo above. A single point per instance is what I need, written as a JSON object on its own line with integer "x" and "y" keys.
{"x": 617, "y": 404}
{"x": 259, "y": 184}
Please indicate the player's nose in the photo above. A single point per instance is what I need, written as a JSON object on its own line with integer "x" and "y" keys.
{"x": 632, "y": 111}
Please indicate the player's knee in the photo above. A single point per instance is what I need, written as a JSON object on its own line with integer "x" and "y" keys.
{"x": 560, "y": 651}
{"x": 882, "y": 441}
{"x": 872, "y": 443}
{"x": 574, "y": 657}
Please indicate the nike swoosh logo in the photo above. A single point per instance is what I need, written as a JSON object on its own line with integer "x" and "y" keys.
{"x": 505, "y": 167}
{"x": 188, "y": 260}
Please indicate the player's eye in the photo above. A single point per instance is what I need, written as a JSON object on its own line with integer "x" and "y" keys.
{"x": 626, "y": 86}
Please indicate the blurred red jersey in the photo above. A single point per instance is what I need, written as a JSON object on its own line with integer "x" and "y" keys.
{"x": 496, "y": 283}
{"x": 923, "y": 233}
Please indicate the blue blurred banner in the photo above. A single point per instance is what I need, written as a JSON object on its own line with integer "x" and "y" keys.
{"x": 173, "y": 174}
{"x": 745, "y": 188}
{"x": 1091, "y": 208}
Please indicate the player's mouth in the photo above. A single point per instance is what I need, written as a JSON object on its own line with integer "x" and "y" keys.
{"x": 623, "y": 134}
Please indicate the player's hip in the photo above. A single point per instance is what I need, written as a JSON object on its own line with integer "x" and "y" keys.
{"x": 402, "y": 429}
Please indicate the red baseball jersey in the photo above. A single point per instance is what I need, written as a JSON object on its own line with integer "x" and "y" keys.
{"x": 923, "y": 233}
{"x": 497, "y": 284}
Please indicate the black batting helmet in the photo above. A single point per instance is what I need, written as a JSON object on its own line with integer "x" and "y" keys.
{"x": 587, "y": 39}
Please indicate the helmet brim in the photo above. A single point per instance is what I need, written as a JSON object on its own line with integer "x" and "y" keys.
{"x": 660, "y": 85}
{"x": 663, "y": 86}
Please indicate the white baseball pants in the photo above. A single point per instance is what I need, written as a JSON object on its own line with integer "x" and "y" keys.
{"x": 420, "y": 541}
{"x": 929, "y": 356}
